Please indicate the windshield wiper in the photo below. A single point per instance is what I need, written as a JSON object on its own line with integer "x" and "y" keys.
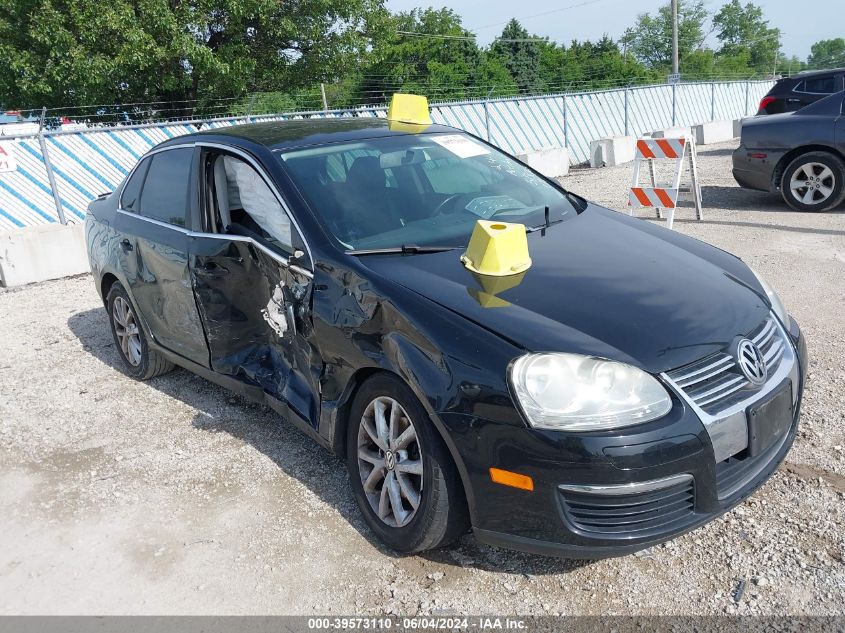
{"x": 405, "y": 249}
{"x": 545, "y": 224}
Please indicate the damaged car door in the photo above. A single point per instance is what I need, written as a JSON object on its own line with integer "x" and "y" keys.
{"x": 252, "y": 286}
{"x": 154, "y": 219}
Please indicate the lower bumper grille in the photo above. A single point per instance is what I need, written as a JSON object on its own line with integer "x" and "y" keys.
{"x": 624, "y": 511}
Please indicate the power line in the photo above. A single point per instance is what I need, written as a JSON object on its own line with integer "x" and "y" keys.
{"x": 539, "y": 15}
{"x": 470, "y": 37}
{"x": 435, "y": 35}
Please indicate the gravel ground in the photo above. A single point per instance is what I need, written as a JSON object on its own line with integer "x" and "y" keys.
{"x": 174, "y": 496}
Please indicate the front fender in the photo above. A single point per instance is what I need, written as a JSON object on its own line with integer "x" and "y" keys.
{"x": 363, "y": 326}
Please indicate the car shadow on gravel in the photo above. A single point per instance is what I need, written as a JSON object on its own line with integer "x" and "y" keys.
{"x": 737, "y": 199}
{"x": 724, "y": 151}
{"x": 298, "y": 456}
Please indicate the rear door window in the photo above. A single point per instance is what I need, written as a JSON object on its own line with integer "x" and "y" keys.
{"x": 165, "y": 193}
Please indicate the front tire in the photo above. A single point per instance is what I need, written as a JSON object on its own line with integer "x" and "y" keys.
{"x": 138, "y": 360}
{"x": 814, "y": 181}
{"x": 402, "y": 474}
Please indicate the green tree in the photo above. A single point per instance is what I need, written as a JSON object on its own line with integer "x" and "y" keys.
{"x": 742, "y": 30}
{"x": 77, "y": 52}
{"x": 604, "y": 65}
{"x": 520, "y": 55}
{"x": 827, "y": 54}
{"x": 431, "y": 53}
{"x": 650, "y": 40}
{"x": 589, "y": 65}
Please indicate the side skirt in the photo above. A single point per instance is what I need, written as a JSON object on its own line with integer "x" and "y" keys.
{"x": 253, "y": 393}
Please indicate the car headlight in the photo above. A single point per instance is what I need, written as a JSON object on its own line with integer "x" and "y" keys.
{"x": 581, "y": 393}
{"x": 774, "y": 299}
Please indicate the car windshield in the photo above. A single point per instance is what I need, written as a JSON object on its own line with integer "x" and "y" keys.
{"x": 419, "y": 190}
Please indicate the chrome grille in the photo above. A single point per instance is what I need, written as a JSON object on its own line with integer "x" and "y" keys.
{"x": 715, "y": 382}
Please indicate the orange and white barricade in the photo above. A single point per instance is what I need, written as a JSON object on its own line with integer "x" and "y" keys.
{"x": 660, "y": 196}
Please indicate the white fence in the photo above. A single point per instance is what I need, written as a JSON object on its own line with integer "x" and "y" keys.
{"x": 56, "y": 174}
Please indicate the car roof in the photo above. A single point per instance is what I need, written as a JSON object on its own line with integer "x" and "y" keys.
{"x": 289, "y": 134}
{"x": 812, "y": 73}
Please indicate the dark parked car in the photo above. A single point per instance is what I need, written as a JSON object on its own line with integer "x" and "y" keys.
{"x": 793, "y": 93}
{"x": 631, "y": 384}
{"x": 800, "y": 154}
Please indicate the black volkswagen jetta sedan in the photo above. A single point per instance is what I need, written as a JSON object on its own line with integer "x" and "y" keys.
{"x": 630, "y": 385}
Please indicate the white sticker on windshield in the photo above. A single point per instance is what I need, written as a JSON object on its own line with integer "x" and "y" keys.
{"x": 461, "y": 146}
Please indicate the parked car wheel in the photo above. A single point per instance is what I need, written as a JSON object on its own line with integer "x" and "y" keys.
{"x": 139, "y": 361}
{"x": 814, "y": 181}
{"x": 402, "y": 474}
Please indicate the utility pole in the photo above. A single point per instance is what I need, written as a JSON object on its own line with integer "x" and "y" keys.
{"x": 775, "y": 66}
{"x": 323, "y": 94}
{"x": 675, "y": 37}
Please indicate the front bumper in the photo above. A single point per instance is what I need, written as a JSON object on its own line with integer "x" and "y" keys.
{"x": 583, "y": 482}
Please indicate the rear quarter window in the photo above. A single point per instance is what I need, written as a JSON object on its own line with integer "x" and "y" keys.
{"x": 131, "y": 196}
{"x": 817, "y": 85}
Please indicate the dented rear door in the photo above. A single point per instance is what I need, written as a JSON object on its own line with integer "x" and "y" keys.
{"x": 153, "y": 249}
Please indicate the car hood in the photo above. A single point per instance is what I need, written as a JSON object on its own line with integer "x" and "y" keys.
{"x": 601, "y": 284}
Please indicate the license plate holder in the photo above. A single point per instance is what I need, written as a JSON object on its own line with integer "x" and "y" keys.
{"x": 770, "y": 420}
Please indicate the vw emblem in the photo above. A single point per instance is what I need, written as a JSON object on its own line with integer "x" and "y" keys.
{"x": 751, "y": 362}
{"x": 389, "y": 460}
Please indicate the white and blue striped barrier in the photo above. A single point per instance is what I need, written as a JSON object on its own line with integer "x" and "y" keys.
{"x": 86, "y": 163}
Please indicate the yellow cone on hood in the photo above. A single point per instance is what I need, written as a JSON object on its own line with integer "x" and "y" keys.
{"x": 497, "y": 249}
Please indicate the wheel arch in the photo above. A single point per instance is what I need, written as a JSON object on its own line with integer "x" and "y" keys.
{"x": 777, "y": 172}
{"x": 342, "y": 419}
{"x": 106, "y": 282}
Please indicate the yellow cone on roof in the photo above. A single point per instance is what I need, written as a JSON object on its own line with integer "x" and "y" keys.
{"x": 408, "y": 108}
{"x": 497, "y": 249}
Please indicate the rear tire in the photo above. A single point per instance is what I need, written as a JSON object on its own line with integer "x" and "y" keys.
{"x": 814, "y": 181}
{"x": 137, "y": 359}
{"x": 406, "y": 463}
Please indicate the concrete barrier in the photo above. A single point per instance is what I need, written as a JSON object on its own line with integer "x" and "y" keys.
{"x": 672, "y": 132}
{"x": 42, "y": 252}
{"x": 738, "y": 127}
{"x": 552, "y": 162}
{"x": 607, "y": 152}
{"x": 714, "y": 132}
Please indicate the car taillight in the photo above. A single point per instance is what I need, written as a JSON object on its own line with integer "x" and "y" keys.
{"x": 766, "y": 101}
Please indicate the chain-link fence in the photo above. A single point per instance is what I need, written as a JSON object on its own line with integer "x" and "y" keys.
{"x": 50, "y": 173}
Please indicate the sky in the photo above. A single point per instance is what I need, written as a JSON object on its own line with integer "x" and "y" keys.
{"x": 564, "y": 20}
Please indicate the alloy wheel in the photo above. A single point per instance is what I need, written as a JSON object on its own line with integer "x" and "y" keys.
{"x": 812, "y": 183}
{"x": 390, "y": 461}
{"x": 126, "y": 329}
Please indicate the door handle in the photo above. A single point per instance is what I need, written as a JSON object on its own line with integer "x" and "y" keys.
{"x": 126, "y": 245}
